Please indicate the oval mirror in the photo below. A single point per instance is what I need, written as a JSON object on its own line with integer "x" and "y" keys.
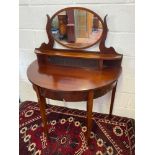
{"x": 76, "y": 27}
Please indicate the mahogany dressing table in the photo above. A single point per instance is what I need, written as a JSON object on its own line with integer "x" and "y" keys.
{"x": 75, "y": 74}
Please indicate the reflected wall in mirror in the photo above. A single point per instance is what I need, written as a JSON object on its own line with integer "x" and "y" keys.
{"x": 76, "y": 28}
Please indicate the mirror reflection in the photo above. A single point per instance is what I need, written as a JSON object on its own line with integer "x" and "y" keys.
{"x": 76, "y": 28}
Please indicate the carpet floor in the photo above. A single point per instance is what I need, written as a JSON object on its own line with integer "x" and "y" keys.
{"x": 67, "y": 128}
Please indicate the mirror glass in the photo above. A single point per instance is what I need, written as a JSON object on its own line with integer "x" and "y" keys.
{"x": 76, "y": 28}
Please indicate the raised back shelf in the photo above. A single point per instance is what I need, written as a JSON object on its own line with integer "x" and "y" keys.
{"x": 79, "y": 54}
{"x": 77, "y": 58}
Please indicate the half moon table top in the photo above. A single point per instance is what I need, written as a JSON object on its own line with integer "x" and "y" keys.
{"x": 64, "y": 78}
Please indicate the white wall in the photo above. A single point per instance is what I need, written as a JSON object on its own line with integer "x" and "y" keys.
{"x": 121, "y": 36}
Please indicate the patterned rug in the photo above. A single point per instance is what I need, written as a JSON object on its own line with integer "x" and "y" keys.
{"x": 67, "y": 127}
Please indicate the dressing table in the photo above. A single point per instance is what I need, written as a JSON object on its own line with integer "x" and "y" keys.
{"x": 75, "y": 74}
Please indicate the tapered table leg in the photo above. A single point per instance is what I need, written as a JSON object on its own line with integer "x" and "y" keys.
{"x": 112, "y": 99}
{"x": 42, "y": 105}
{"x": 89, "y": 113}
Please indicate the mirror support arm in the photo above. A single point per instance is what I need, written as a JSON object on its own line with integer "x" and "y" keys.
{"x": 50, "y": 43}
{"x": 102, "y": 47}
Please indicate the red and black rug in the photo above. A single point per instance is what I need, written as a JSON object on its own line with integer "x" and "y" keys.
{"x": 67, "y": 127}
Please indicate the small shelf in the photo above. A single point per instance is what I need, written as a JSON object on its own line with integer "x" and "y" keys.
{"x": 79, "y": 54}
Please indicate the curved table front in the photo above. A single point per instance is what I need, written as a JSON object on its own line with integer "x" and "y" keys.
{"x": 72, "y": 84}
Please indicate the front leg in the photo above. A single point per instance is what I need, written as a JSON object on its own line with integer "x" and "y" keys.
{"x": 42, "y": 105}
{"x": 89, "y": 113}
{"x": 112, "y": 99}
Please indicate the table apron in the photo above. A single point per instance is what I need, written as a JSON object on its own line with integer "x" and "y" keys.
{"x": 74, "y": 96}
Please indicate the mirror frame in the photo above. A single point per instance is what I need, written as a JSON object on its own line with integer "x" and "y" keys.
{"x": 103, "y": 49}
{"x": 81, "y": 8}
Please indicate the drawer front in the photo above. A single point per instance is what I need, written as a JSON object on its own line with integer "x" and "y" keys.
{"x": 74, "y": 96}
{"x": 67, "y": 96}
